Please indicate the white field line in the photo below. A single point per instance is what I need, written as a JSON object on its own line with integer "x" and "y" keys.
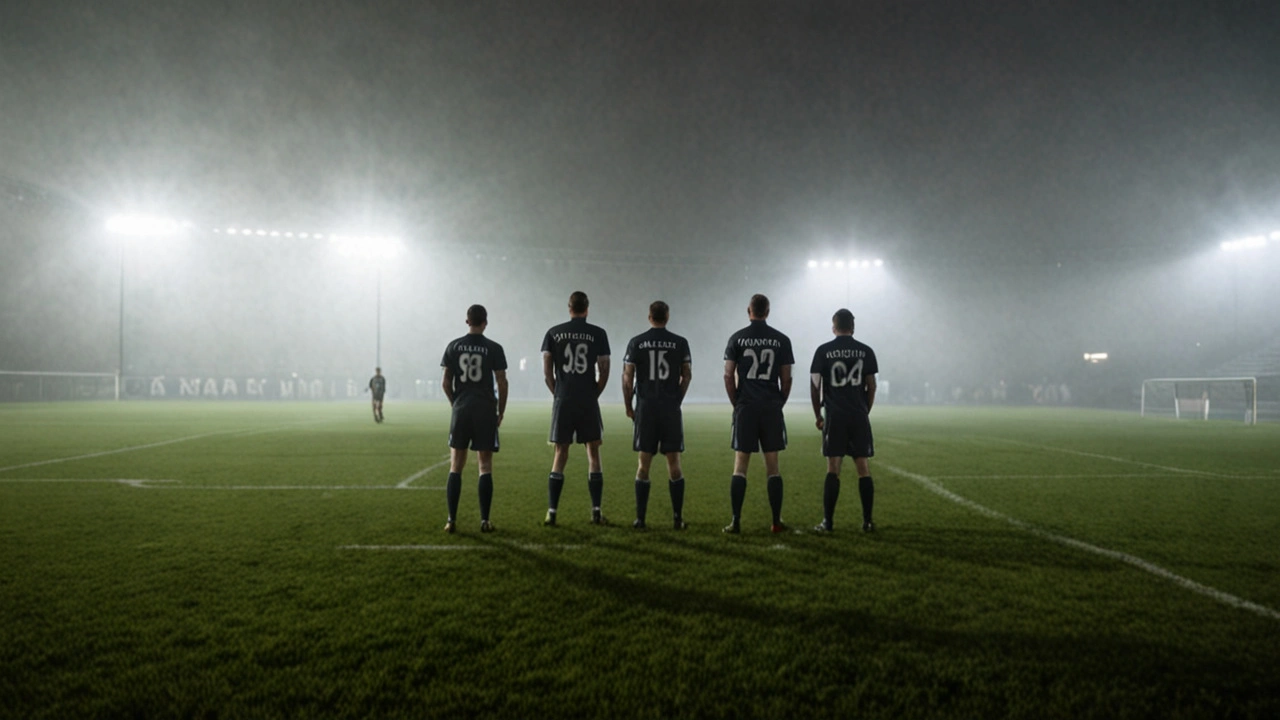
{"x": 892, "y": 441}
{"x": 405, "y": 482}
{"x": 1080, "y": 476}
{"x": 134, "y": 482}
{"x": 148, "y": 446}
{"x": 431, "y": 548}
{"x": 1112, "y": 458}
{"x": 1185, "y": 583}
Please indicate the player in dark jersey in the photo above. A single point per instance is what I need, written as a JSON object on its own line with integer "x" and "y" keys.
{"x": 377, "y": 386}
{"x": 844, "y": 385}
{"x": 655, "y": 373}
{"x": 757, "y": 378}
{"x": 575, "y": 366}
{"x": 473, "y": 364}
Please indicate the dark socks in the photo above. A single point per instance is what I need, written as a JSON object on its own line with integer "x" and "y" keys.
{"x": 677, "y": 497}
{"x": 642, "y": 498}
{"x": 830, "y": 494}
{"x": 453, "y": 493}
{"x": 595, "y": 485}
{"x": 737, "y": 493}
{"x": 775, "y": 498}
{"x": 867, "y": 491}
{"x": 486, "y": 494}
{"x": 555, "y": 483}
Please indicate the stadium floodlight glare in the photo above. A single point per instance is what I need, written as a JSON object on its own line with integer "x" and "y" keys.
{"x": 840, "y": 264}
{"x": 1095, "y": 357}
{"x": 813, "y": 263}
{"x": 370, "y": 247}
{"x": 878, "y": 262}
{"x": 143, "y": 226}
{"x": 1252, "y": 242}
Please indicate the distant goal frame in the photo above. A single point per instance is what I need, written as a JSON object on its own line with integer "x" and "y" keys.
{"x": 1251, "y": 407}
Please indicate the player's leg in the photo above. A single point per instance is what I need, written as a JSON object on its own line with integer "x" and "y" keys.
{"x": 459, "y": 441}
{"x": 830, "y": 490}
{"x": 642, "y": 488}
{"x": 773, "y": 439}
{"x": 676, "y": 487}
{"x": 555, "y": 481}
{"x": 595, "y": 482}
{"x": 484, "y": 458}
{"x": 744, "y": 442}
{"x": 866, "y": 491}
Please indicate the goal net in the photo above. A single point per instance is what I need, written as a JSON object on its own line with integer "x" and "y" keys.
{"x": 1201, "y": 398}
{"x": 48, "y": 386}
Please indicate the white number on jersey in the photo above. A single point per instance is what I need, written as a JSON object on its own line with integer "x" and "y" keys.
{"x": 659, "y": 369}
{"x": 761, "y": 366}
{"x": 469, "y": 366}
{"x": 842, "y": 375}
{"x": 575, "y": 359}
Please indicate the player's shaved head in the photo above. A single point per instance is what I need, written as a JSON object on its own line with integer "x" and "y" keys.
{"x": 659, "y": 312}
{"x": 477, "y": 316}
{"x": 842, "y": 321}
{"x": 759, "y": 307}
{"x": 578, "y": 302}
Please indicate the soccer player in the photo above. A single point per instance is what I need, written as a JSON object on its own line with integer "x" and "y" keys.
{"x": 844, "y": 385}
{"x": 757, "y": 378}
{"x": 377, "y": 386}
{"x": 575, "y": 367}
{"x": 649, "y": 377}
{"x": 473, "y": 364}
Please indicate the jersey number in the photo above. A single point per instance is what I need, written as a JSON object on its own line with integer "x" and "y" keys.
{"x": 658, "y": 367}
{"x": 575, "y": 359}
{"x": 469, "y": 366}
{"x": 842, "y": 375}
{"x": 761, "y": 365}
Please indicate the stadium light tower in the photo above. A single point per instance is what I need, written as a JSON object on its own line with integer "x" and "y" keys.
{"x": 847, "y": 269}
{"x": 132, "y": 227}
{"x": 372, "y": 250}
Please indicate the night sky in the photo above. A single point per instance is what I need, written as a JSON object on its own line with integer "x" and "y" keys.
{"x": 1033, "y": 173}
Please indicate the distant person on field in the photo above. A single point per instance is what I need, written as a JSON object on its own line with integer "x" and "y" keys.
{"x": 575, "y": 367}
{"x": 843, "y": 390}
{"x": 757, "y": 378}
{"x": 377, "y": 386}
{"x": 473, "y": 364}
{"x": 655, "y": 374}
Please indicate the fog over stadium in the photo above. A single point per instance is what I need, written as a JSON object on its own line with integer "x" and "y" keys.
{"x": 1038, "y": 181}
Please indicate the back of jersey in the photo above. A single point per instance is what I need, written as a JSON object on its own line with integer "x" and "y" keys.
{"x": 760, "y": 352}
{"x": 843, "y": 364}
{"x": 575, "y": 347}
{"x": 658, "y": 356}
{"x": 474, "y": 359}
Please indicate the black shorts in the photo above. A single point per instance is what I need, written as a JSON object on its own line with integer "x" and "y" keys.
{"x": 847, "y": 434}
{"x": 377, "y": 397}
{"x": 659, "y": 427}
{"x": 575, "y": 421}
{"x": 475, "y": 427}
{"x": 758, "y": 428}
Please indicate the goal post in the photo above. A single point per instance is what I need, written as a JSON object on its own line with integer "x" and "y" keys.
{"x": 1217, "y": 398}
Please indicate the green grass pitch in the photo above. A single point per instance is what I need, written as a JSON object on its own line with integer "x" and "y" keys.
{"x": 287, "y": 560}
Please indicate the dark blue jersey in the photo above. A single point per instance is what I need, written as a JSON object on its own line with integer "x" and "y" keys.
{"x": 844, "y": 363}
{"x": 378, "y": 384}
{"x": 574, "y": 347}
{"x": 760, "y": 352}
{"x": 658, "y": 356}
{"x": 474, "y": 359}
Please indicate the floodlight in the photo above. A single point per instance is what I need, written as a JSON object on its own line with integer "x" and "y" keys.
{"x": 261, "y": 231}
{"x": 878, "y": 262}
{"x": 866, "y": 263}
{"x": 1275, "y": 235}
{"x": 813, "y": 263}
{"x": 840, "y": 264}
{"x": 304, "y": 236}
{"x": 826, "y": 263}
{"x": 1095, "y": 357}
{"x": 142, "y": 226}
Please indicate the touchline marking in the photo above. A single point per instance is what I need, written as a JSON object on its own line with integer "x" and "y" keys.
{"x": 1113, "y": 458}
{"x": 131, "y": 448}
{"x": 1185, "y": 583}
{"x": 430, "y": 548}
{"x": 405, "y": 482}
{"x": 279, "y": 487}
{"x": 1082, "y": 476}
{"x": 134, "y": 482}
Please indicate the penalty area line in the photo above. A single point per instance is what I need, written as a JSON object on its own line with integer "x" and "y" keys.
{"x": 404, "y": 484}
{"x": 1185, "y": 583}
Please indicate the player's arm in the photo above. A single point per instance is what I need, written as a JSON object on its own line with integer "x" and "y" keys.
{"x": 815, "y": 396}
{"x": 446, "y": 383}
{"x": 731, "y": 381}
{"x": 549, "y": 372}
{"x": 784, "y": 382}
{"x": 869, "y": 382}
{"x": 628, "y": 387}
{"x": 686, "y": 376}
{"x": 602, "y": 374}
{"x": 501, "y": 377}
